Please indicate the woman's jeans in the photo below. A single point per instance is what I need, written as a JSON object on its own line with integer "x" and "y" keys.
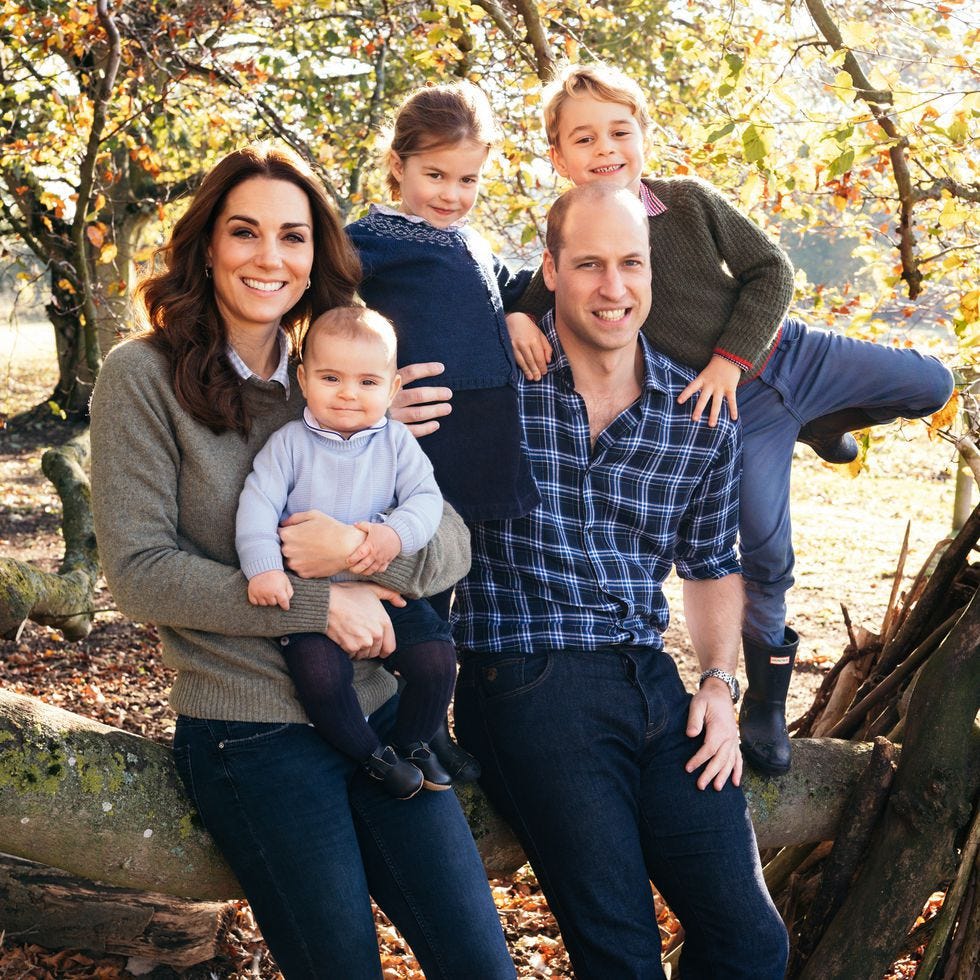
{"x": 583, "y": 752}
{"x": 311, "y": 837}
{"x": 811, "y": 373}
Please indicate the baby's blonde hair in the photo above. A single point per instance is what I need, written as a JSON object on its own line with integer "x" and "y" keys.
{"x": 355, "y": 323}
{"x": 602, "y": 82}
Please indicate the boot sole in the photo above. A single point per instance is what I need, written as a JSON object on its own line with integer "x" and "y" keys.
{"x": 761, "y": 765}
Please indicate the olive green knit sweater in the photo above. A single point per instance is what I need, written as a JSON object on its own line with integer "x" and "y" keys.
{"x": 720, "y": 284}
{"x": 165, "y": 493}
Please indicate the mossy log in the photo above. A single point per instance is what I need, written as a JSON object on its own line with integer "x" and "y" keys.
{"x": 107, "y": 805}
{"x": 62, "y": 599}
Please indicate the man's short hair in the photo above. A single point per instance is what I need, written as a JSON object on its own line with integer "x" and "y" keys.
{"x": 602, "y": 82}
{"x": 355, "y": 323}
{"x": 594, "y": 192}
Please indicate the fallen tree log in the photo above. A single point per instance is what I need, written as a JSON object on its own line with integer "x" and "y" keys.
{"x": 51, "y": 908}
{"x": 108, "y": 806}
{"x": 62, "y": 599}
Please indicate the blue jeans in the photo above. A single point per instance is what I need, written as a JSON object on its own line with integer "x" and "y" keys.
{"x": 311, "y": 838}
{"x": 583, "y": 752}
{"x": 810, "y": 374}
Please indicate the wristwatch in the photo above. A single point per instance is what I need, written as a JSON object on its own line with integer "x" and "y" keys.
{"x": 730, "y": 679}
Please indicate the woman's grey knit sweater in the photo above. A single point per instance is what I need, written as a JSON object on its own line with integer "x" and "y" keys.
{"x": 164, "y": 493}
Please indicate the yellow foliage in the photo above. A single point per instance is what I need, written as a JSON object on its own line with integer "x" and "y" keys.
{"x": 107, "y": 254}
{"x": 946, "y": 416}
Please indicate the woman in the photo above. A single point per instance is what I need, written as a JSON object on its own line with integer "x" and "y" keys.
{"x": 177, "y": 416}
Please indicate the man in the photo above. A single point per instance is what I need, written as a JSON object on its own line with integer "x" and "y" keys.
{"x": 609, "y": 772}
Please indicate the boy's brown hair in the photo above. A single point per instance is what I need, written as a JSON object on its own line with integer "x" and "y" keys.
{"x": 602, "y": 82}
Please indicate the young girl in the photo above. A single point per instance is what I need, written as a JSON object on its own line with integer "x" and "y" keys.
{"x": 444, "y": 290}
{"x": 439, "y": 283}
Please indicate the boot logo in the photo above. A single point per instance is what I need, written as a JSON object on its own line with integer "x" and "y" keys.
{"x": 779, "y": 661}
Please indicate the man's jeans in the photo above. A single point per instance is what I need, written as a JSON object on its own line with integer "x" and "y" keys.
{"x": 583, "y": 752}
{"x": 310, "y": 837}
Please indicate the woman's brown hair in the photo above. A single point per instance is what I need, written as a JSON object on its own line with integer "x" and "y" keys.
{"x": 180, "y": 304}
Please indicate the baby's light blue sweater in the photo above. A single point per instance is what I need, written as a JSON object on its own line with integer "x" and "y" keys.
{"x": 356, "y": 479}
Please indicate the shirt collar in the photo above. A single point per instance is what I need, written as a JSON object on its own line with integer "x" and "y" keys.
{"x": 655, "y": 365}
{"x": 651, "y": 203}
{"x": 332, "y": 436}
{"x": 415, "y": 219}
{"x": 281, "y": 373}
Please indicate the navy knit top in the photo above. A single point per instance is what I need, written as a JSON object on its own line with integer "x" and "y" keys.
{"x": 445, "y": 292}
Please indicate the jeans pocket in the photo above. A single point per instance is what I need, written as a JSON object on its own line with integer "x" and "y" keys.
{"x": 501, "y": 678}
{"x": 243, "y": 735}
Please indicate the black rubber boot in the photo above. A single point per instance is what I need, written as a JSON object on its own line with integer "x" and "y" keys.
{"x": 398, "y": 778}
{"x": 762, "y": 720}
{"x": 830, "y": 435}
{"x": 433, "y": 775}
{"x": 460, "y": 765}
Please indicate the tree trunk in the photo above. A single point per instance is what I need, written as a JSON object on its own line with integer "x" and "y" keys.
{"x": 65, "y": 779}
{"x": 59, "y": 911}
{"x": 914, "y": 846}
{"x": 63, "y": 599}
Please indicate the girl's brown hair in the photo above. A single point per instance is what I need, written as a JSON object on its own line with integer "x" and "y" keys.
{"x": 180, "y": 304}
{"x": 437, "y": 116}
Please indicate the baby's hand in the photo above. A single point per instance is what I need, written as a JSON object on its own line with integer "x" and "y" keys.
{"x": 380, "y": 548}
{"x": 716, "y": 382}
{"x": 270, "y": 588}
{"x": 531, "y": 348}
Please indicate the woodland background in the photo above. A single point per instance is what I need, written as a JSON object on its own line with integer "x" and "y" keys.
{"x": 847, "y": 130}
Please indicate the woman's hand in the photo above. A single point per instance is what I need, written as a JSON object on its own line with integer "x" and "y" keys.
{"x": 420, "y": 408}
{"x": 358, "y": 623}
{"x": 717, "y": 382}
{"x": 317, "y": 546}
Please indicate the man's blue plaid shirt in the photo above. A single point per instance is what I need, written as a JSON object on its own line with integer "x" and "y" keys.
{"x": 585, "y": 568}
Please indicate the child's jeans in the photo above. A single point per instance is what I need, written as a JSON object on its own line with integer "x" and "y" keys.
{"x": 810, "y": 374}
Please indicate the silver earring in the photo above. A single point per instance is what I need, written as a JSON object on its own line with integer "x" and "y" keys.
{"x": 207, "y": 271}
{"x": 309, "y": 282}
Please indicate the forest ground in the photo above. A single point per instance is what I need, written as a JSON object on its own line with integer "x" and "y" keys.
{"x": 847, "y": 532}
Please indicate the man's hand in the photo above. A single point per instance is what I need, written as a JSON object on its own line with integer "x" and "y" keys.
{"x": 358, "y": 623}
{"x": 531, "y": 348}
{"x": 381, "y": 546}
{"x": 317, "y": 546}
{"x": 713, "y": 713}
{"x": 271, "y": 588}
{"x": 716, "y": 383}
{"x": 420, "y": 408}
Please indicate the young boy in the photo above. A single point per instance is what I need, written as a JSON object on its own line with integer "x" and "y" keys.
{"x": 721, "y": 291}
{"x": 346, "y": 459}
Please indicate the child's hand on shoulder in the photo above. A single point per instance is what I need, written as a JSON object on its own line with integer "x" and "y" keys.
{"x": 715, "y": 384}
{"x": 381, "y": 546}
{"x": 270, "y": 588}
{"x": 531, "y": 348}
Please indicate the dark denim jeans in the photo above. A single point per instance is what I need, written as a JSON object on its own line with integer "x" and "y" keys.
{"x": 310, "y": 837}
{"x": 811, "y": 373}
{"x": 584, "y": 753}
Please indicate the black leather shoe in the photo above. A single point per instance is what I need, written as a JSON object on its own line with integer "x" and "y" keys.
{"x": 433, "y": 775}
{"x": 398, "y": 778}
{"x": 460, "y": 765}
